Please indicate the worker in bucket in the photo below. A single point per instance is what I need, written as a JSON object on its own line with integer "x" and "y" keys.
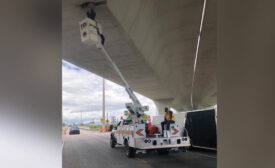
{"x": 168, "y": 119}
{"x": 91, "y": 13}
{"x": 90, "y": 9}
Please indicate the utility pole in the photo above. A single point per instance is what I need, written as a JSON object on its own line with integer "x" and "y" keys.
{"x": 81, "y": 119}
{"x": 107, "y": 122}
{"x": 103, "y": 105}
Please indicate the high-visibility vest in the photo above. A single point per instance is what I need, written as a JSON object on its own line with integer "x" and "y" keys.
{"x": 129, "y": 116}
{"x": 144, "y": 117}
{"x": 168, "y": 117}
{"x": 173, "y": 117}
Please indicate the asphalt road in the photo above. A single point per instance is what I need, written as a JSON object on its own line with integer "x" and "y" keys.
{"x": 91, "y": 149}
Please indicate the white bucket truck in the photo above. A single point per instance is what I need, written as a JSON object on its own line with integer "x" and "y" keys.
{"x": 133, "y": 134}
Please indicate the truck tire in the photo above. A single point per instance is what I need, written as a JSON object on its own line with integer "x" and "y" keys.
{"x": 163, "y": 151}
{"x": 129, "y": 151}
{"x": 112, "y": 141}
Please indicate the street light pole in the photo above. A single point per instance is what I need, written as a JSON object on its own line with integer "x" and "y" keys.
{"x": 81, "y": 118}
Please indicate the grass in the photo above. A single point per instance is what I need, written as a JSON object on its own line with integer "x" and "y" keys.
{"x": 95, "y": 127}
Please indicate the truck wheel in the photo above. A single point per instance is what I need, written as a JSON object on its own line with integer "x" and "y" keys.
{"x": 112, "y": 141}
{"x": 163, "y": 151}
{"x": 129, "y": 151}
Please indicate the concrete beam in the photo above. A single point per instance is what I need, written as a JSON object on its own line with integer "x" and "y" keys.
{"x": 153, "y": 43}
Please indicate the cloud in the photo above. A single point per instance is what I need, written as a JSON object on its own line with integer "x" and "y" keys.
{"x": 82, "y": 92}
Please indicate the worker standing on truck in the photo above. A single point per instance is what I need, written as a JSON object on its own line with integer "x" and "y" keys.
{"x": 168, "y": 119}
{"x": 128, "y": 115}
{"x": 144, "y": 117}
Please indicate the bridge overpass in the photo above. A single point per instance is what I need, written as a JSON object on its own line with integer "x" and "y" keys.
{"x": 154, "y": 44}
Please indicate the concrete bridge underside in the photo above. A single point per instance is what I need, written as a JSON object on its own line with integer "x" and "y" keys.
{"x": 153, "y": 42}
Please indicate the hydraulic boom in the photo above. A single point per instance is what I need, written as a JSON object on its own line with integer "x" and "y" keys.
{"x": 135, "y": 108}
{"x": 90, "y": 32}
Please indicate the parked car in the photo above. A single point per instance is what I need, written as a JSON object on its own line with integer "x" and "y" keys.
{"x": 74, "y": 130}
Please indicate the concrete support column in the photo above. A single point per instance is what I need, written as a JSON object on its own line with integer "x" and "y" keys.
{"x": 161, "y": 104}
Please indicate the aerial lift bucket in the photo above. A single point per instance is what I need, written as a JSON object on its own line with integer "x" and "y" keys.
{"x": 89, "y": 31}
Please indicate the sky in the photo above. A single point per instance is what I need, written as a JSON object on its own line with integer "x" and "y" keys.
{"x": 82, "y": 92}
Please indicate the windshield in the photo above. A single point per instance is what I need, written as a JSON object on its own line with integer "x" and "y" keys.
{"x": 74, "y": 128}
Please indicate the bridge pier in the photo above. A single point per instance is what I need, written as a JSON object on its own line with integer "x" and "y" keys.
{"x": 161, "y": 104}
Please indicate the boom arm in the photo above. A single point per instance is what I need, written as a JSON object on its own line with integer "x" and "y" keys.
{"x": 136, "y": 108}
{"x": 89, "y": 31}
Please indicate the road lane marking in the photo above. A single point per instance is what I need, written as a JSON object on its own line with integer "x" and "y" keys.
{"x": 141, "y": 160}
{"x": 207, "y": 156}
